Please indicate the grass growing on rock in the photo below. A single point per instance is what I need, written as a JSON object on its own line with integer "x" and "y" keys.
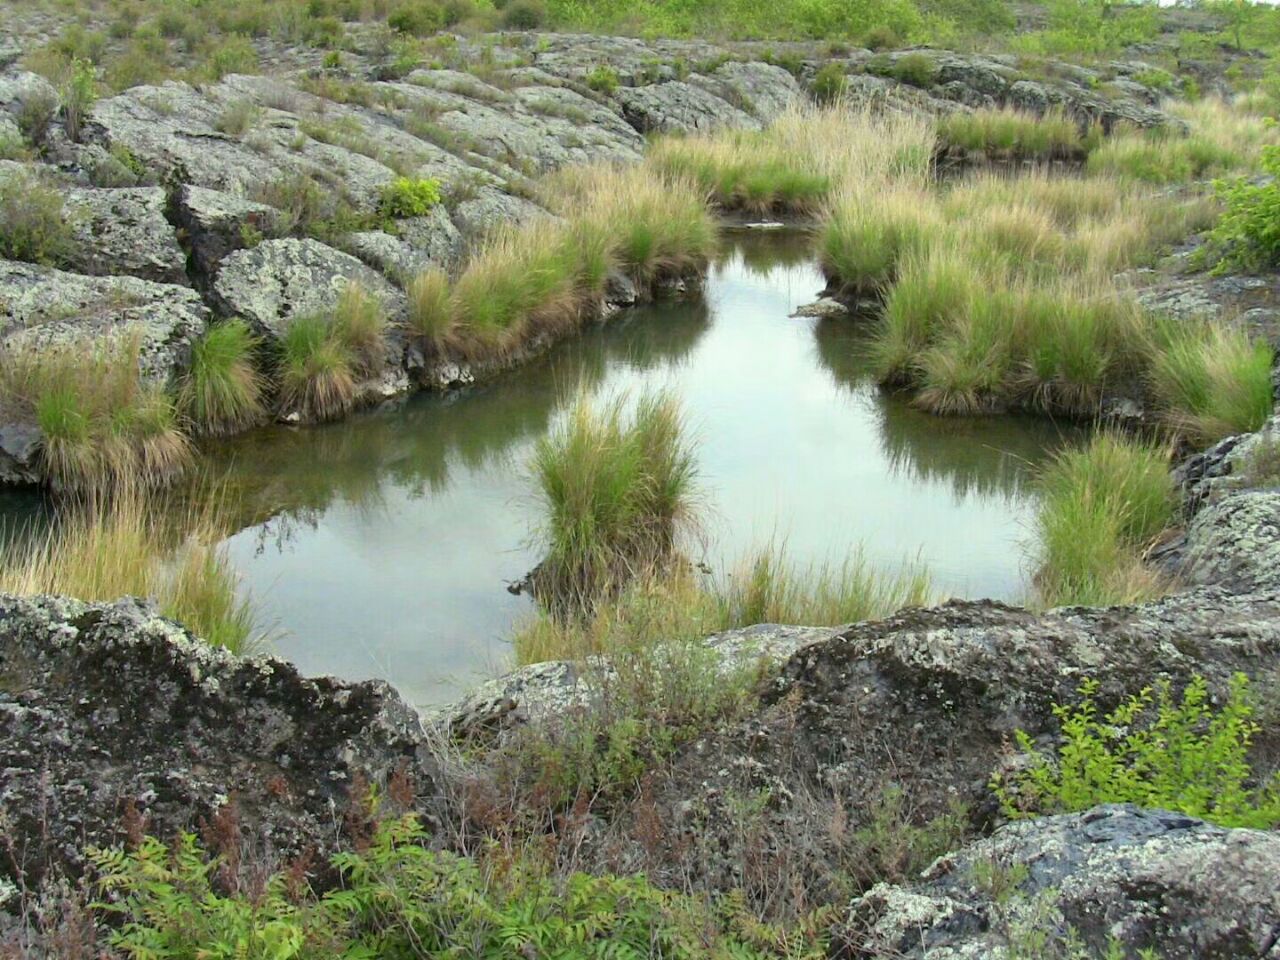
{"x": 223, "y": 392}
{"x": 103, "y": 425}
{"x": 1102, "y": 505}
{"x": 105, "y": 549}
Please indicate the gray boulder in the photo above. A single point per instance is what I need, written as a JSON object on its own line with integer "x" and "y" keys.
{"x": 280, "y": 279}
{"x": 1235, "y": 541}
{"x": 19, "y": 453}
{"x": 680, "y": 107}
{"x": 45, "y": 308}
{"x": 1086, "y": 882}
{"x": 124, "y": 232}
{"x": 219, "y": 223}
{"x": 108, "y": 711}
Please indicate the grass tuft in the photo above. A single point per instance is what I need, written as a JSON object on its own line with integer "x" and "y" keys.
{"x": 223, "y": 393}
{"x": 430, "y": 318}
{"x": 316, "y": 369}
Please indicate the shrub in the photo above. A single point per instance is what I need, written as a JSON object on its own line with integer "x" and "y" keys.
{"x": 33, "y": 224}
{"x": 917, "y": 69}
{"x": 408, "y": 197}
{"x": 122, "y": 546}
{"x": 236, "y": 118}
{"x": 1248, "y": 235}
{"x": 417, "y": 18}
{"x": 524, "y": 15}
{"x": 398, "y": 898}
{"x": 1210, "y": 381}
{"x": 234, "y": 54}
{"x": 36, "y": 116}
{"x": 615, "y": 493}
{"x": 78, "y": 94}
{"x": 430, "y": 316}
{"x": 1101, "y": 505}
{"x": 829, "y": 84}
{"x": 603, "y": 79}
{"x": 316, "y": 369}
{"x": 222, "y": 392}
{"x": 1183, "y": 755}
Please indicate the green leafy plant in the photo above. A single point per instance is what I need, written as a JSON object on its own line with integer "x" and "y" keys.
{"x": 603, "y": 79}
{"x": 34, "y": 225}
{"x": 1248, "y": 235}
{"x": 408, "y": 197}
{"x": 1154, "y": 750}
{"x": 830, "y": 83}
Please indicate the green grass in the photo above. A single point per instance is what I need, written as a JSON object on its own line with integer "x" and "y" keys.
{"x": 223, "y": 392}
{"x": 616, "y": 488}
{"x": 359, "y": 323}
{"x": 869, "y": 233}
{"x": 119, "y": 546}
{"x": 316, "y": 369}
{"x": 1009, "y": 134}
{"x": 430, "y": 319}
{"x": 1210, "y": 381}
{"x": 1101, "y": 506}
{"x": 103, "y": 426}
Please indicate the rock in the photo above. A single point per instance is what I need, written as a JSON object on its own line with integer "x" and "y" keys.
{"x": 217, "y": 224}
{"x": 823, "y": 308}
{"x": 19, "y": 453}
{"x": 1113, "y": 875}
{"x": 543, "y": 692}
{"x": 759, "y": 89}
{"x": 103, "y": 706}
{"x": 680, "y": 107}
{"x": 22, "y": 90}
{"x": 124, "y": 232}
{"x": 281, "y": 279}
{"x": 1236, "y": 542}
{"x": 480, "y": 215}
{"x": 620, "y": 290}
{"x": 43, "y": 307}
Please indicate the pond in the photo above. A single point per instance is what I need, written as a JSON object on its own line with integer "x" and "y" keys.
{"x": 380, "y": 546}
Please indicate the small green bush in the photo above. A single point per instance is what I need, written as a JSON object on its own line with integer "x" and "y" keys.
{"x": 1248, "y": 235}
{"x": 417, "y": 18}
{"x": 1153, "y": 750}
{"x": 399, "y": 899}
{"x": 830, "y": 83}
{"x": 408, "y": 197}
{"x": 34, "y": 226}
{"x": 603, "y": 79}
{"x": 79, "y": 91}
{"x": 524, "y": 15}
{"x": 916, "y": 69}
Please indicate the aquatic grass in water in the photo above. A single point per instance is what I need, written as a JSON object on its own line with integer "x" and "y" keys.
{"x": 223, "y": 392}
{"x": 1102, "y": 505}
{"x": 616, "y": 489}
{"x": 103, "y": 549}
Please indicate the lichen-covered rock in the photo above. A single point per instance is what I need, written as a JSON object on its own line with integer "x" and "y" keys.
{"x": 1111, "y": 876}
{"x": 680, "y": 107}
{"x": 1235, "y": 541}
{"x": 45, "y": 308}
{"x": 21, "y": 91}
{"x": 19, "y": 453}
{"x": 420, "y": 242}
{"x": 278, "y": 280}
{"x": 124, "y": 232}
{"x": 217, "y": 224}
{"x": 107, "y": 706}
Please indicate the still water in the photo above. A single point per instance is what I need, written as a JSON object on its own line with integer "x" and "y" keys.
{"x": 379, "y": 547}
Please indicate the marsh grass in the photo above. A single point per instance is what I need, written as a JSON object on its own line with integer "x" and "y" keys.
{"x": 316, "y": 369}
{"x": 1009, "y": 134}
{"x": 223, "y": 392}
{"x": 870, "y": 230}
{"x": 674, "y": 604}
{"x": 103, "y": 549}
{"x": 359, "y": 323}
{"x": 1210, "y": 380}
{"x": 430, "y": 319}
{"x": 103, "y": 426}
{"x": 617, "y": 486}
{"x": 1101, "y": 506}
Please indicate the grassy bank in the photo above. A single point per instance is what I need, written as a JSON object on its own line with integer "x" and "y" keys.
{"x": 126, "y": 547}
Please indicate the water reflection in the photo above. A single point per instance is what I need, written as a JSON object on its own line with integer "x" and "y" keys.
{"x": 380, "y": 545}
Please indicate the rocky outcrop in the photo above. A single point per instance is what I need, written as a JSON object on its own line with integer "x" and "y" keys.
{"x": 124, "y": 232}
{"x": 42, "y": 308}
{"x": 110, "y": 714}
{"x": 278, "y": 280}
{"x": 1111, "y": 876}
{"x": 217, "y": 224}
